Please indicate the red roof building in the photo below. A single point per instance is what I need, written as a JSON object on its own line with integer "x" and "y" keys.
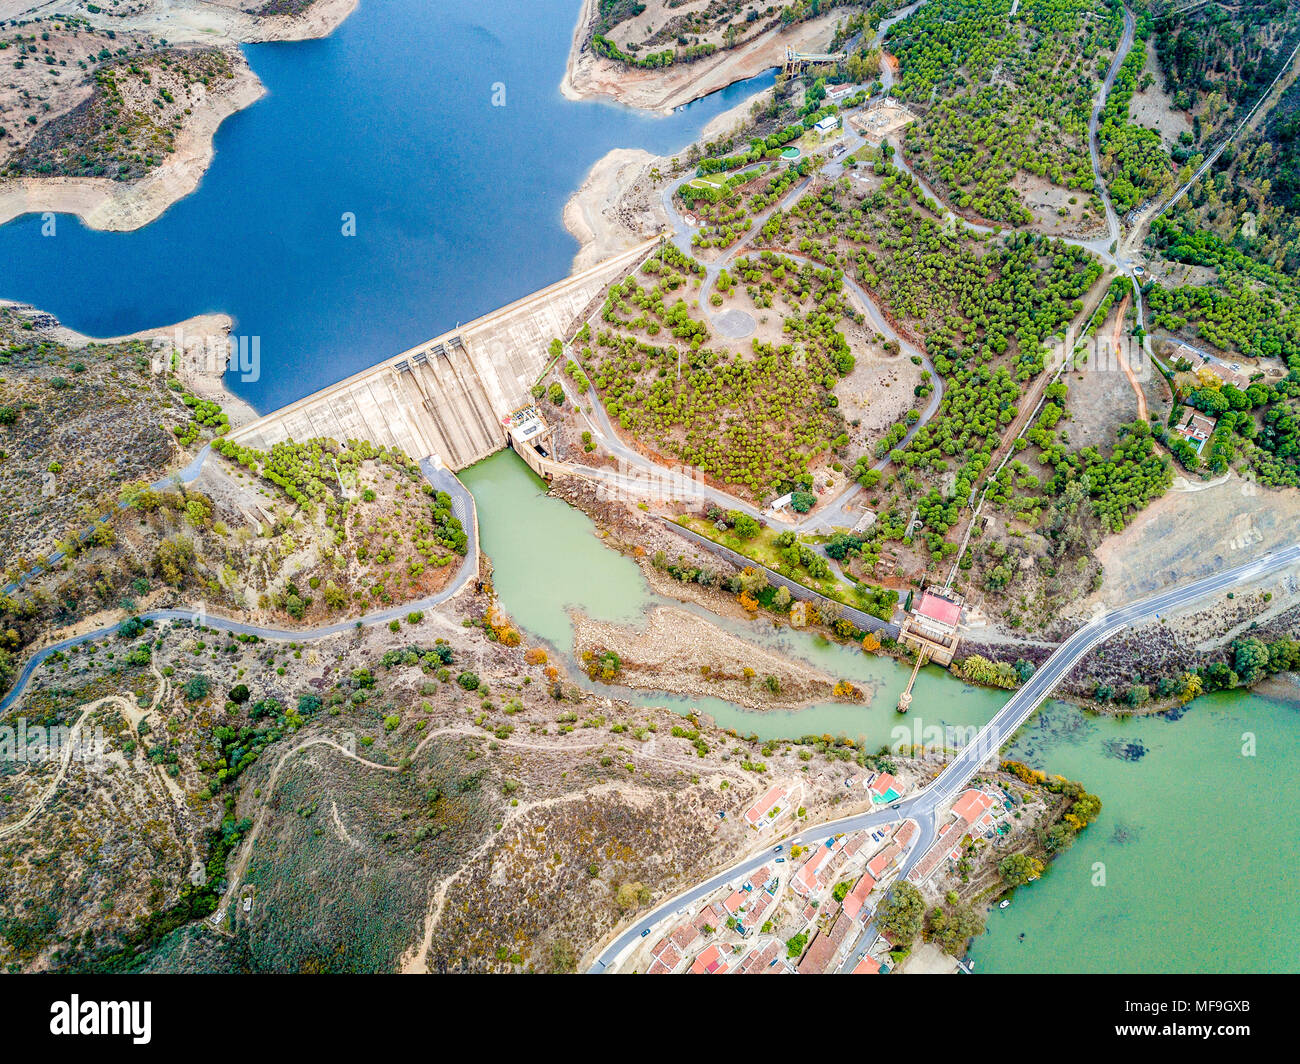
{"x": 882, "y": 784}
{"x": 857, "y": 898}
{"x": 933, "y": 627}
{"x": 819, "y": 955}
{"x": 942, "y": 610}
{"x": 710, "y": 962}
{"x": 879, "y": 864}
{"x": 767, "y": 809}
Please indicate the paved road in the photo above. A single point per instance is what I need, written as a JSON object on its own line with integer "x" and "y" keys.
{"x": 441, "y": 478}
{"x": 925, "y": 806}
{"x": 1094, "y": 124}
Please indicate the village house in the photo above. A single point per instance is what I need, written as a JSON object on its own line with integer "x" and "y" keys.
{"x": 970, "y": 812}
{"x": 807, "y": 880}
{"x": 768, "y": 809}
{"x": 711, "y": 962}
{"x": 1196, "y": 429}
{"x": 856, "y": 900}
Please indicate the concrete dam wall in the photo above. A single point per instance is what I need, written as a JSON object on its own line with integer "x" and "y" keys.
{"x": 447, "y": 397}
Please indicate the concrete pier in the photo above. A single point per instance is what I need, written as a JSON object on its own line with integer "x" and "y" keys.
{"x": 447, "y": 398}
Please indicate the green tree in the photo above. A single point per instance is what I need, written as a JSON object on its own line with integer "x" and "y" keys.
{"x": 1019, "y": 868}
{"x": 902, "y": 914}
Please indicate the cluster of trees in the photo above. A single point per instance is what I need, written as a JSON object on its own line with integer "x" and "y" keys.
{"x": 752, "y": 420}
{"x": 973, "y": 299}
{"x": 1232, "y": 53}
{"x": 1133, "y": 157}
{"x": 725, "y": 210}
{"x": 602, "y": 45}
{"x": 1123, "y": 482}
{"x": 798, "y": 555}
{"x": 1232, "y": 315}
{"x": 1017, "y": 869}
{"x": 1251, "y": 658}
{"x": 1004, "y": 95}
{"x": 978, "y": 669}
{"x": 313, "y": 473}
{"x": 952, "y": 926}
{"x": 1080, "y": 808}
{"x": 902, "y": 914}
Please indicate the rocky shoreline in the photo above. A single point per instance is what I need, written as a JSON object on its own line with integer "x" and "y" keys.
{"x": 121, "y": 206}
{"x": 619, "y": 203}
{"x": 193, "y": 341}
{"x": 591, "y": 76}
{"x": 678, "y": 652}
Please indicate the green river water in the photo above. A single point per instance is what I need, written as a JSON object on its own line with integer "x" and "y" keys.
{"x": 1195, "y": 840}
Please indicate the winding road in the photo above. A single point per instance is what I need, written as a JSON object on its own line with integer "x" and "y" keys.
{"x": 440, "y": 477}
{"x": 925, "y": 807}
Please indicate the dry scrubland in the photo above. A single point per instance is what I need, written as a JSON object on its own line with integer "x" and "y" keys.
{"x": 310, "y": 533}
{"x": 436, "y": 796}
{"x": 621, "y": 48}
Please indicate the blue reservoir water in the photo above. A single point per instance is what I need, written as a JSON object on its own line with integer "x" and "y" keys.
{"x": 458, "y": 202}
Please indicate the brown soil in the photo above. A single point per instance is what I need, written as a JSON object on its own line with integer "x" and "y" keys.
{"x": 681, "y": 653}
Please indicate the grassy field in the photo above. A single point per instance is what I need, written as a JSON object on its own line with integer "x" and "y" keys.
{"x": 764, "y": 550}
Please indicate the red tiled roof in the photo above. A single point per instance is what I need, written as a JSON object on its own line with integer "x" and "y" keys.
{"x": 939, "y": 609}
{"x": 806, "y": 880}
{"x": 710, "y": 962}
{"x": 666, "y": 958}
{"x": 971, "y": 804}
{"x": 759, "y": 809}
{"x": 882, "y": 783}
{"x": 877, "y": 865}
{"x": 819, "y": 955}
{"x": 856, "y": 898}
{"x": 755, "y": 912}
{"x": 684, "y": 935}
